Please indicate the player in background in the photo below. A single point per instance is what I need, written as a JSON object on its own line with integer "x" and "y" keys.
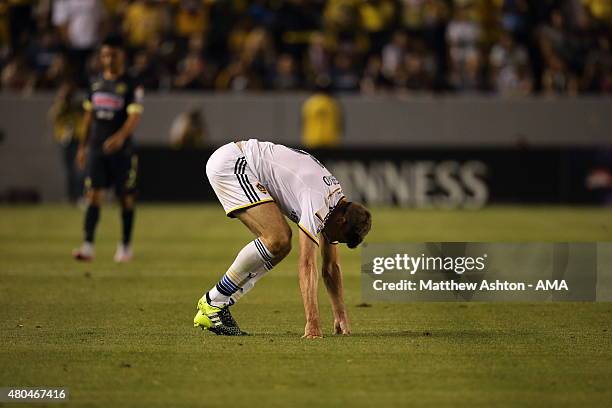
{"x": 113, "y": 109}
{"x": 257, "y": 182}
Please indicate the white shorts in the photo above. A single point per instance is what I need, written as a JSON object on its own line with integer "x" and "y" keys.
{"x": 233, "y": 180}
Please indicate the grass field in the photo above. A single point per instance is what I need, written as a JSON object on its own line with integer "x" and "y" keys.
{"x": 123, "y": 336}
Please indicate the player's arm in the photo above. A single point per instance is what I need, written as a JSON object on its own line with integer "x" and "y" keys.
{"x": 134, "y": 110}
{"x": 82, "y": 150}
{"x": 115, "y": 142}
{"x": 332, "y": 276}
{"x": 308, "y": 276}
{"x": 87, "y": 118}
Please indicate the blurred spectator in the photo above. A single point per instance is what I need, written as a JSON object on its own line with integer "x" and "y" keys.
{"x": 413, "y": 74}
{"x": 80, "y": 23}
{"x": 374, "y": 80}
{"x": 258, "y": 52}
{"x": 252, "y": 62}
{"x": 557, "y": 79}
{"x": 600, "y": 9}
{"x": 509, "y": 72}
{"x": 145, "y": 70}
{"x": 321, "y": 118}
{"x": 144, "y": 19}
{"x": 553, "y": 33}
{"x": 191, "y": 21}
{"x": 342, "y": 16}
{"x": 413, "y": 14}
{"x": 463, "y": 34}
{"x": 377, "y": 19}
{"x": 238, "y": 77}
{"x": 393, "y": 53}
{"x": 44, "y": 50}
{"x": 514, "y": 17}
{"x": 188, "y": 130}
{"x": 285, "y": 77}
{"x": 598, "y": 64}
{"x": 192, "y": 18}
{"x": 344, "y": 75}
{"x": 16, "y": 76}
{"x": 433, "y": 27}
{"x": 193, "y": 74}
{"x": 57, "y": 73}
{"x": 510, "y": 46}
{"x": 66, "y": 116}
{"x": 469, "y": 77}
{"x": 420, "y": 16}
{"x": 317, "y": 56}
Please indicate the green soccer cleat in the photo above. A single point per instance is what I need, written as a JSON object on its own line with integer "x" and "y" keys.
{"x": 218, "y": 320}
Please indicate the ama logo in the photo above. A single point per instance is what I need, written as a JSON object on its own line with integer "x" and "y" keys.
{"x": 552, "y": 285}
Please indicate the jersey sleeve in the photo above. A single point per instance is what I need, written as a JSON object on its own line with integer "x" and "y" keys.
{"x": 87, "y": 104}
{"x": 135, "y": 99}
{"x": 312, "y": 220}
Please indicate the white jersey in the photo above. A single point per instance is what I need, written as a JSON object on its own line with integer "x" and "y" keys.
{"x": 303, "y": 188}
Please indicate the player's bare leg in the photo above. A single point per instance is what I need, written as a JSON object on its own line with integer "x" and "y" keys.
{"x": 92, "y": 215}
{"x": 268, "y": 223}
{"x": 124, "y": 250}
{"x": 272, "y": 244}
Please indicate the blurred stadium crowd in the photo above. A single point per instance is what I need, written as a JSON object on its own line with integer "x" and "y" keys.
{"x": 509, "y": 47}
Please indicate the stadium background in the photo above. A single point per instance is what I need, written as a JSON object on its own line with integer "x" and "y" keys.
{"x": 517, "y": 91}
{"x": 499, "y": 106}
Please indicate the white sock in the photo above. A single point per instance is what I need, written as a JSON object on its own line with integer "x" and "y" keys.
{"x": 247, "y": 287}
{"x": 252, "y": 262}
{"x": 87, "y": 248}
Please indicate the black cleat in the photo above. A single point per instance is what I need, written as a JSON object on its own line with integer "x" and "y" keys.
{"x": 218, "y": 320}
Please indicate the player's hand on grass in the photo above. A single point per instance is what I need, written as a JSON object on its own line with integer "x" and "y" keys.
{"x": 313, "y": 330}
{"x": 81, "y": 157}
{"x": 113, "y": 143}
{"x": 341, "y": 324}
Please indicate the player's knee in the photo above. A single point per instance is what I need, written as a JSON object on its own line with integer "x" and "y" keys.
{"x": 280, "y": 243}
{"x": 94, "y": 197}
{"x": 127, "y": 201}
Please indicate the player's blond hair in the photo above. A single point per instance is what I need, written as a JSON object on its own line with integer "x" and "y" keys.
{"x": 359, "y": 221}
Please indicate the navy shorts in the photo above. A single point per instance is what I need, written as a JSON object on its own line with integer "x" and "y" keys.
{"x": 118, "y": 171}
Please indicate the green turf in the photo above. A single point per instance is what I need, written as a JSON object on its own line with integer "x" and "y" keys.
{"x": 122, "y": 335}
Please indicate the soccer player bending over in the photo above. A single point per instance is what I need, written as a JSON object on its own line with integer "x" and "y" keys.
{"x": 113, "y": 108}
{"x": 257, "y": 182}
